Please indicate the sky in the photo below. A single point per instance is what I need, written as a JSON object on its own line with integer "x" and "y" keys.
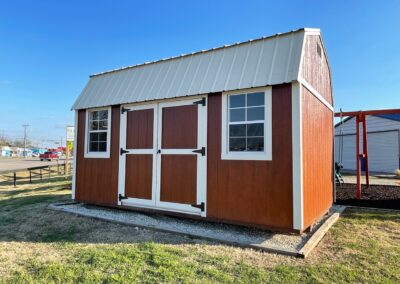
{"x": 48, "y": 49}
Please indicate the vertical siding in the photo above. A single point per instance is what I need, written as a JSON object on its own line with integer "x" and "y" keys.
{"x": 97, "y": 179}
{"x": 317, "y": 125}
{"x": 315, "y": 69}
{"x": 252, "y": 192}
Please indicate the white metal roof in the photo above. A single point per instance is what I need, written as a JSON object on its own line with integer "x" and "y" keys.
{"x": 255, "y": 63}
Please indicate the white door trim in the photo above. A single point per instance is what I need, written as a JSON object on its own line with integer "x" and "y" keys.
{"x": 122, "y": 158}
{"x": 155, "y": 203}
{"x": 201, "y": 178}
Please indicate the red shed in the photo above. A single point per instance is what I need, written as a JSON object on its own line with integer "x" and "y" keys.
{"x": 240, "y": 134}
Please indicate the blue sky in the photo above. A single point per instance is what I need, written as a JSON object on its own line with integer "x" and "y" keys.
{"x": 49, "y": 48}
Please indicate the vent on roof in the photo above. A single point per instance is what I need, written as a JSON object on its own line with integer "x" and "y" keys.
{"x": 319, "y": 50}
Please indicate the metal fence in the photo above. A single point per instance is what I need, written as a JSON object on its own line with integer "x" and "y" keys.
{"x": 35, "y": 173}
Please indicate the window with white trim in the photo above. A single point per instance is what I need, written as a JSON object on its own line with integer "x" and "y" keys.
{"x": 246, "y": 125}
{"x": 98, "y": 133}
{"x": 246, "y": 122}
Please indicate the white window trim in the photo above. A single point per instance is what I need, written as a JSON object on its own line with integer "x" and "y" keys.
{"x": 266, "y": 155}
{"x": 97, "y": 154}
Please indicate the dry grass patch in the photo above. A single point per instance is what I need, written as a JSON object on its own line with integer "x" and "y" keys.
{"x": 38, "y": 245}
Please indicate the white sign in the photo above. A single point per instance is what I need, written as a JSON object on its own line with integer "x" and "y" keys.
{"x": 70, "y": 133}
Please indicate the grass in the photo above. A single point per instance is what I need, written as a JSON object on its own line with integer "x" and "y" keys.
{"x": 39, "y": 245}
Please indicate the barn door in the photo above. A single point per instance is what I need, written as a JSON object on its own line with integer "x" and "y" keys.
{"x": 163, "y": 156}
{"x": 181, "y": 162}
{"x": 138, "y": 157}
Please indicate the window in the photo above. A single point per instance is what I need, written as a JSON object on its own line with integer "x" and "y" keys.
{"x": 98, "y": 134}
{"x": 246, "y": 125}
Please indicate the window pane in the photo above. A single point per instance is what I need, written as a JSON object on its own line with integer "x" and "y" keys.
{"x": 255, "y": 129}
{"x": 237, "y": 130}
{"x": 255, "y": 99}
{"x": 255, "y": 113}
{"x": 103, "y": 124}
{"x": 94, "y": 137}
{"x": 94, "y": 115}
{"x": 102, "y": 136}
{"x": 237, "y": 101}
{"x": 255, "y": 144}
{"x": 237, "y": 144}
{"x": 94, "y": 125}
{"x": 103, "y": 114}
{"x": 93, "y": 147}
{"x": 102, "y": 146}
{"x": 237, "y": 115}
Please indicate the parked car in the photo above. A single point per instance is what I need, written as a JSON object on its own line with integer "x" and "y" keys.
{"x": 49, "y": 156}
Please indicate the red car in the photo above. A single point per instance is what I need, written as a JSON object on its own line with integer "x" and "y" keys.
{"x": 49, "y": 156}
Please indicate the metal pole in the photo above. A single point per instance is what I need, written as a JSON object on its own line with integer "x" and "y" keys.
{"x": 15, "y": 179}
{"x": 365, "y": 149}
{"x": 358, "y": 190}
{"x": 30, "y": 176}
{"x": 25, "y": 126}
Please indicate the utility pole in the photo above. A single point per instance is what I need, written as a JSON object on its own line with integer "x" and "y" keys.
{"x": 25, "y": 126}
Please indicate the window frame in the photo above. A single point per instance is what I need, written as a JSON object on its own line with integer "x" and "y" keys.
{"x": 105, "y": 154}
{"x": 265, "y": 155}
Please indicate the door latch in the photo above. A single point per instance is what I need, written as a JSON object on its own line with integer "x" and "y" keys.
{"x": 201, "y": 206}
{"x": 201, "y": 151}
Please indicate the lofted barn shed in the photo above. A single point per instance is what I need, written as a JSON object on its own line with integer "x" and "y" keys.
{"x": 241, "y": 134}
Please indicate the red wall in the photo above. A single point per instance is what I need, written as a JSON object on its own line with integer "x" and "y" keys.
{"x": 248, "y": 192}
{"x": 97, "y": 179}
{"x": 252, "y": 192}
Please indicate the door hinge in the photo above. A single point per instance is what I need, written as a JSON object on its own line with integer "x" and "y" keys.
{"x": 122, "y": 151}
{"x": 200, "y": 206}
{"x": 200, "y": 102}
{"x": 121, "y": 197}
{"x": 201, "y": 151}
{"x": 123, "y": 110}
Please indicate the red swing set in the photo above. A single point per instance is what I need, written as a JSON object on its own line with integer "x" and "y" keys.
{"x": 361, "y": 119}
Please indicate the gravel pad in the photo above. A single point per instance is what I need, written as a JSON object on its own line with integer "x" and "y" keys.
{"x": 237, "y": 235}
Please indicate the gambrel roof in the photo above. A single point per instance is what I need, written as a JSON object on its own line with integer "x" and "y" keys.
{"x": 254, "y": 63}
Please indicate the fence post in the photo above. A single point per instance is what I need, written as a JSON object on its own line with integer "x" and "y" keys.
{"x": 40, "y": 174}
{"x": 30, "y": 176}
{"x": 15, "y": 179}
{"x": 49, "y": 171}
{"x": 58, "y": 169}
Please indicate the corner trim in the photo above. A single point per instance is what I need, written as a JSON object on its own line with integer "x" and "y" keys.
{"x": 315, "y": 93}
{"x": 297, "y": 158}
{"x": 74, "y": 158}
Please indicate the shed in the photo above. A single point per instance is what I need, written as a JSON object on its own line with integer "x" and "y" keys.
{"x": 383, "y": 133}
{"x": 241, "y": 134}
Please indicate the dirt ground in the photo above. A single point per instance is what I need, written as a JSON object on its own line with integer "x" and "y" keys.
{"x": 378, "y": 196}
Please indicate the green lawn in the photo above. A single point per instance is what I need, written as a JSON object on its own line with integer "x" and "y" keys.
{"x": 39, "y": 245}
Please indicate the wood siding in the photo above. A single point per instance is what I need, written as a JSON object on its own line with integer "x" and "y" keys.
{"x": 315, "y": 69}
{"x": 252, "y": 192}
{"x": 179, "y": 127}
{"x": 317, "y": 125}
{"x": 178, "y": 178}
{"x": 139, "y": 134}
{"x": 138, "y": 176}
{"x": 97, "y": 179}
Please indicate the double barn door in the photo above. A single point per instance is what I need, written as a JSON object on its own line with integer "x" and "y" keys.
{"x": 163, "y": 156}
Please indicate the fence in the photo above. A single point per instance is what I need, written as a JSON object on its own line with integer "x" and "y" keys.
{"x": 37, "y": 173}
